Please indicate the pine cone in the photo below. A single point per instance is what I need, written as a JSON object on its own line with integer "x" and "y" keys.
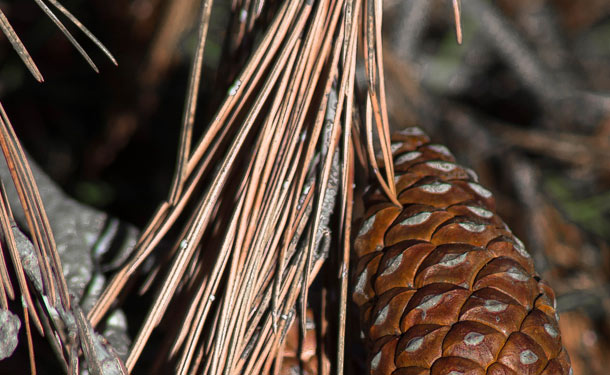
{"x": 443, "y": 286}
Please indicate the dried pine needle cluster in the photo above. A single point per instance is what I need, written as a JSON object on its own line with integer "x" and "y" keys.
{"x": 254, "y": 196}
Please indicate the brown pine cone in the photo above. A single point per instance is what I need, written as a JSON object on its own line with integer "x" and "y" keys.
{"x": 443, "y": 286}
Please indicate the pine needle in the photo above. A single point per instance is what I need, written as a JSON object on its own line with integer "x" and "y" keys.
{"x": 85, "y": 30}
{"x": 23, "y": 53}
{"x": 188, "y": 120}
{"x": 28, "y": 334}
{"x": 458, "y": 20}
{"x": 7, "y": 231}
{"x": 376, "y": 104}
{"x": 36, "y": 217}
{"x": 18, "y": 45}
{"x": 67, "y": 34}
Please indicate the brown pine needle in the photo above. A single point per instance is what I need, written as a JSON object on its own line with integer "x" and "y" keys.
{"x": 23, "y": 53}
{"x": 371, "y": 151}
{"x": 13, "y": 38}
{"x": 5, "y": 282}
{"x": 347, "y": 190}
{"x": 36, "y": 217}
{"x": 321, "y": 188}
{"x": 67, "y": 34}
{"x": 186, "y": 133}
{"x": 376, "y": 103}
{"x": 5, "y": 225}
{"x": 458, "y": 20}
{"x": 383, "y": 126}
{"x": 28, "y": 334}
{"x": 85, "y": 30}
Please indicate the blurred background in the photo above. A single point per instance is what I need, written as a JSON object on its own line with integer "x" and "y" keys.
{"x": 524, "y": 101}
